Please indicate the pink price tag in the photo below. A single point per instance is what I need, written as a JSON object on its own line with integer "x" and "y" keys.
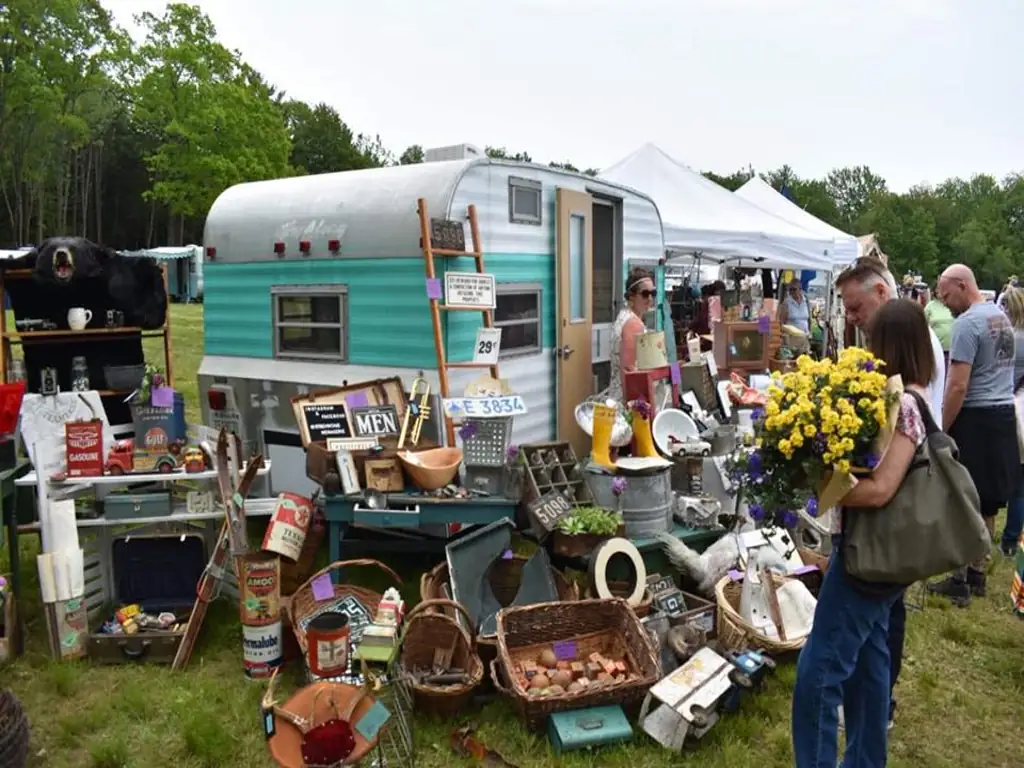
{"x": 357, "y": 400}
{"x": 323, "y": 587}
{"x": 507, "y": 555}
{"x": 434, "y": 288}
{"x": 674, "y": 374}
{"x": 565, "y": 650}
{"x": 161, "y": 397}
{"x": 764, "y": 324}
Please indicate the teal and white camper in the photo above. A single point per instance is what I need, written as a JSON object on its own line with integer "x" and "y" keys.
{"x": 313, "y": 281}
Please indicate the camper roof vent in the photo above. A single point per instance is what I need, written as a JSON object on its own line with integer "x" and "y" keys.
{"x": 453, "y": 152}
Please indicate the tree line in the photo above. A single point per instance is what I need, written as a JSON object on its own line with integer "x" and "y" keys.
{"x": 129, "y": 143}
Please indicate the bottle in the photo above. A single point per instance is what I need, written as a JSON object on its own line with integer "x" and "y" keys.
{"x": 79, "y": 374}
{"x": 16, "y": 371}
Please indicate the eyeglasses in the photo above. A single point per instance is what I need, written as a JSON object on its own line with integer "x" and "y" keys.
{"x": 648, "y": 294}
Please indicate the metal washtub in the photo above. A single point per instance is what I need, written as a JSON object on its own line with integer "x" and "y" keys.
{"x": 646, "y": 504}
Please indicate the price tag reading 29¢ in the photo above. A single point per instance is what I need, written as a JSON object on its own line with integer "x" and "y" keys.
{"x": 545, "y": 512}
{"x": 488, "y": 344}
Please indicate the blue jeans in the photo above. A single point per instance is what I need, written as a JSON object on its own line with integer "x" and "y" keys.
{"x": 1014, "y": 517}
{"x": 845, "y": 661}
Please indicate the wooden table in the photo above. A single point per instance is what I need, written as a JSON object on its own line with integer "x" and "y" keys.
{"x": 409, "y": 511}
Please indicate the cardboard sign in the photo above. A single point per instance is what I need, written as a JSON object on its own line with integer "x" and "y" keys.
{"x": 545, "y": 512}
{"x": 484, "y": 407}
{"x": 375, "y": 421}
{"x": 326, "y": 420}
{"x": 470, "y": 290}
{"x": 487, "y": 347}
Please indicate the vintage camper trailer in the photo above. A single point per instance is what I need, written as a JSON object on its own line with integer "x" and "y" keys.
{"x": 285, "y": 313}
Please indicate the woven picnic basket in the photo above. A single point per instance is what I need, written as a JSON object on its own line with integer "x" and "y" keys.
{"x": 426, "y": 631}
{"x": 304, "y": 604}
{"x": 624, "y": 589}
{"x": 607, "y": 627}
{"x": 504, "y": 576}
{"x": 734, "y": 633}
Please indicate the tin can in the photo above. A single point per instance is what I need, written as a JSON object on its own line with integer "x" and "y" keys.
{"x": 327, "y": 642}
{"x": 259, "y": 589}
{"x": 83, "y": 444}
{"x": 289, "y": 525}
{"x": 262, "y": 649}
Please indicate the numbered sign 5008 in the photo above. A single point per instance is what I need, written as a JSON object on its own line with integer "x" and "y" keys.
{"x": 546, "y": 511}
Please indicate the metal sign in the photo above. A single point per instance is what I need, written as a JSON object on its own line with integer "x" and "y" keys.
{"x": 375, "y": 420}
{"x": 447, "y": 235}
{"x": 484, "y": 407}
{"x": 469, "y": 290}
{"x": 545, "y": 512}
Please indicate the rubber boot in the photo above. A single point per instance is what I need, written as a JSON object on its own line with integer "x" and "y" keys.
{"x": 643, "y": 440}
{"x": 604, "y": 420}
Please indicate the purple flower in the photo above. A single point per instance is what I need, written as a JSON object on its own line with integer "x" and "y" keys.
{"x": 758, "y": 414}
{"x": 619, "y": 486}
{"x": 789, "y": 519}
{"x": 641, "y": 408}
{"x": 812, "y": 507}
{"x": 754, "y": 465}
{"x": 871, "y": 461}
{"x": 869, "y": 365}
{"x": 513, "y": 452}
{"x": 756, "y": 512}
{"x": 467, "y": 430}
{"x": 820, "y": 444}
{"x": 158, "y": 380}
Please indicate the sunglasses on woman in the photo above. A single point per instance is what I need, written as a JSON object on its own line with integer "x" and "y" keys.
{"x": 648, "y": 294}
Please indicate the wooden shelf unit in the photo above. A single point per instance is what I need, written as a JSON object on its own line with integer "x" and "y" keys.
{"x": 9, "y": 337}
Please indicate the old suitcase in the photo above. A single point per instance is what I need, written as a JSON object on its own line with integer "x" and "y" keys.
{"x": 158, "y": 573}
{"x": 591, "y": 727}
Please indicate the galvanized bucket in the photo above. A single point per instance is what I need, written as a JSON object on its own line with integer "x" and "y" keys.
{"x": 646, "y": 504}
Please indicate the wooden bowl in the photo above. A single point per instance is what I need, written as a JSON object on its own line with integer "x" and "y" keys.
{"x": 431, "y": 469}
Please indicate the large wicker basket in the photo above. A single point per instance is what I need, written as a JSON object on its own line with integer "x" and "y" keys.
{"x": 425, "y": 631}
{"x": 504, "y": 576}
{"x": 304, "y": 604}
{"x": 608, "y": 627}
{"x": 734, "y": 633}
{"x": 624, "y": 589}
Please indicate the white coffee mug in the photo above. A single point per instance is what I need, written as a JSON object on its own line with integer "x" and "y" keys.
{"x": 78, "y": 318}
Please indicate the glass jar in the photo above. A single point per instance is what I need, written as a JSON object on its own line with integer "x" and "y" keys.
{"x": 79, "y": 374}
{"x": 16, "y": 371}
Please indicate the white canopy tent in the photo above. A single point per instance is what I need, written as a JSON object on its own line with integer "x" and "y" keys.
{"x": 702, "y": 220}
{"x": 760, "y": 193}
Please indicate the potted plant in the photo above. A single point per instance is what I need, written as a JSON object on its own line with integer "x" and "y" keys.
{"x": 580, "y": 532}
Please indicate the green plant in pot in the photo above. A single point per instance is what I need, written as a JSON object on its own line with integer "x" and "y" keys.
{"x": 586, "y": 527}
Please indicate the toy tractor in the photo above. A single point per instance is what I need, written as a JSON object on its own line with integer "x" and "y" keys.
{"x": 121, "y": 459}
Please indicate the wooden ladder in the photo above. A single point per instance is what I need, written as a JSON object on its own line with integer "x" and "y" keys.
{"x": 436, "y": 307}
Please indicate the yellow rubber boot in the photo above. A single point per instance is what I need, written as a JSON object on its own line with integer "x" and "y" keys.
{"x": 643, "y": 440}
{"x": 604, "y": 420}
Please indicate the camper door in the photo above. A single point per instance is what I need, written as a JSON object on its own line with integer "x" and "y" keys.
{"x": 574, "y": 257}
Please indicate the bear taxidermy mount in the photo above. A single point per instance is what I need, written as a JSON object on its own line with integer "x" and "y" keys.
{"x": 69, "y": 272}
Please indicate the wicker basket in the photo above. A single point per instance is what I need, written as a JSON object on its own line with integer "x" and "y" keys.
{"x": 608, "y": 627}
{"x": 303, "y": 603}
{"x": 624, "y": 589}
{"x": 734, "y": 633}
{"x": 14, "y": 732}
{"x": 424, "y": 632}
{"x": 504, "y": 577}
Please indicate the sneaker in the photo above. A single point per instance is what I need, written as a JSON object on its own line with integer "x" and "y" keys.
{"x": 892, "y": 713}
{"x": 955, "y": 588}
{"x": 842, "y": 718}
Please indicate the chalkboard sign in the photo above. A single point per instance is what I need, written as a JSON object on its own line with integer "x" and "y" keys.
{"x": 545, "y": 512}
{"x": 658, "y": 584}
{"x": 375, "y": 420}
{"x": 447, "y": 235}
{"x": 324, "y": 420}
{"x": 670, "y": 603}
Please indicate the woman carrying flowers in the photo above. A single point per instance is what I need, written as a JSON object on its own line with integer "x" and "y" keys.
{"x": 846, "y": 658}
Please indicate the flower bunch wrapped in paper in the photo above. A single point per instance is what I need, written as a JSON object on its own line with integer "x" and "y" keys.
{"x": 821, "y": 425}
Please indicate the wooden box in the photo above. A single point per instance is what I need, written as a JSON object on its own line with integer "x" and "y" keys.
{"x": 741, "y": 346}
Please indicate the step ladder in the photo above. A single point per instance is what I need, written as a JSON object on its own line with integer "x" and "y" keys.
{"x": 436, "y": 307}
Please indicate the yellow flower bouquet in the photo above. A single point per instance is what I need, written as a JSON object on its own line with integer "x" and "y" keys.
{"x": 823, "y": 423}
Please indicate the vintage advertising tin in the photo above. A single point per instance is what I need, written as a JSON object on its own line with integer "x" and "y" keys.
{"x": 262, "y": 649}
{"x": 289, "y": 526}
{"x": 83, "y": 442}
{"x": 327, "y": 638}
{"x": 259, "y": 589}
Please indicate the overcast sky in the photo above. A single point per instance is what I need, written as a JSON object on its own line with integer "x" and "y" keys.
{"x": 919, "y": 90}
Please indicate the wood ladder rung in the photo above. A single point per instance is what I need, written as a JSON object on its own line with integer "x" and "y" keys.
{"x": 446, "y": 308}
{"x": 456, "y": 254}
{"x": 468, "y": 365}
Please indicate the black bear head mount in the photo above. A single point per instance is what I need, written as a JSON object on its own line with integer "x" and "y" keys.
{"x": 62, "y": 260}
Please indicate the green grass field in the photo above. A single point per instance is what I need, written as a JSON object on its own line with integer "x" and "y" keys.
{"x": 960, "y": 694}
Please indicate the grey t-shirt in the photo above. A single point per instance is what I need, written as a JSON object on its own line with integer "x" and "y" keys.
{"x": 983, "y": 337}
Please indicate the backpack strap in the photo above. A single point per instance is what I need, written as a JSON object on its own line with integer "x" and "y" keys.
{"x": 930, "y": 427}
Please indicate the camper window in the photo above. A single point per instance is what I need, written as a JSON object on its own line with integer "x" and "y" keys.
{"x": 518, "y": 315}
{"x": 310, "y": 322}
{"x": 524, "y": 201}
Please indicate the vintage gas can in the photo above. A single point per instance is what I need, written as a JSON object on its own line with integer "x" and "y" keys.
{"x": 259, "y": 580}
{"x": 289, "y": 525}
{"x": 83, "y": 442}
{"x": 262, "y": 649}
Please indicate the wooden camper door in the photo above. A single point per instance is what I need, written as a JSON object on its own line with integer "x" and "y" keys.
{"x": 574, "y": 259}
